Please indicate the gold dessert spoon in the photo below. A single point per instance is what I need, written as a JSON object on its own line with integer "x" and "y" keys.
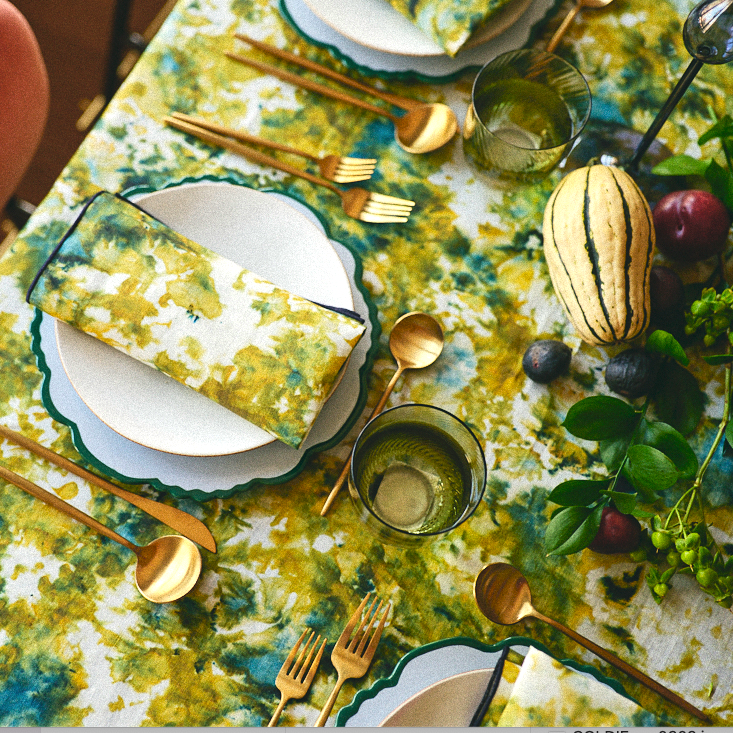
{"x": 504, "y": 597}
{"x": 415, "y": 342}
{"x": 167, "y": 568}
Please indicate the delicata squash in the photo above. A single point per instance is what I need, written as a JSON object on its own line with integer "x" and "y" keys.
{"x": 598, "y": 243}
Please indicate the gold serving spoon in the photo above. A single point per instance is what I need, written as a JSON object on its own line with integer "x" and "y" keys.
{"x": 421, "y": 130}
{"x": 504, "y": 597}
{"x": 415, "y": 342}
{"x": 570, "y": 17}
{"x": 167, "y": 568}
{"x": 183, "y": 522}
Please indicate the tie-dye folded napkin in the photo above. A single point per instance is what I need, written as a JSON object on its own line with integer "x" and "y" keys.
{"x": 450, "y": 23}
{"x": 264, "y": 353}
{"x": 545, "y": 693}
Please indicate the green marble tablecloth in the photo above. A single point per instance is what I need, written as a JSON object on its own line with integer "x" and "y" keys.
{"x": 79, "y": 645}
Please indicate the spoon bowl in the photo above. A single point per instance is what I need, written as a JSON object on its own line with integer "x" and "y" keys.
{"x": 504, "y": 597}
{"x": 416, "y": 342}
{"x": 167, "y": 568}
{"x": 425, "y": 128}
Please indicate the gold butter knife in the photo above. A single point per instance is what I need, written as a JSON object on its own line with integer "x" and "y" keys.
{"x": 188, "y": 525}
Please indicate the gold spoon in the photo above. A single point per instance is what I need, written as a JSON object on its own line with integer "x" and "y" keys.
{"x": 579, "y": 5}
{"x": 167, "y": 568}
{"x": 504, "y": 597}
{"x": 423, "y": 129}
{"x": 415, "y": 342}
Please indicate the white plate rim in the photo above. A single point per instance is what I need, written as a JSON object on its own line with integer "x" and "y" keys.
{"x": 402, "y": 37}
{"x": 135, "y": 425}
{"x": 428, "y": 69}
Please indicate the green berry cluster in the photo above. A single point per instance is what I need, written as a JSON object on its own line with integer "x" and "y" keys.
{"x": 714, "y": 312}
{"x": 687, "y": 549}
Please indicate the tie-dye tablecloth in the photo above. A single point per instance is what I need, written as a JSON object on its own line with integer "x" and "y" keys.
{"x": 80, "y": 646}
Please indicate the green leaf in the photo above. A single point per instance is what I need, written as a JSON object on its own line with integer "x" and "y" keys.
{"x": 613, "y": 452}
{"x": 722, "y": 128}
{"x": 572, "y": 529}
{"x": 721, "y": 183}
{"x": 578, "y": 492}
{"x": 681, "y": 165}
{"x": 729, "y": 433}
{"x": 677, "y": 398}
{"x": 600, "y": 418}
{"x": 667, "y": 575}
{"x": 650, "y": 470}
{"x": 672, "y": 443}
{"x": 661, "y": 342}
{"x": 625, "y": 503}
{"x": 642, "y": 513}
{"x": 717, "y": 359}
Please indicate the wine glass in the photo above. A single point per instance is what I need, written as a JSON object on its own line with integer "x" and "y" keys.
{"x": 708, "y": 38}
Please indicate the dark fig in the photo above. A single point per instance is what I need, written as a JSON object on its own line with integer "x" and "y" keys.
{"x": 545, "y": 360}
{"x": 618, "y": 533}
{"x": 632, "y": 373}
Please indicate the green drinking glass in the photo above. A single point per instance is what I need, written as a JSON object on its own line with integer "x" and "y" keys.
{"x": 527, "y": 108}
{"x": 417, "y": 472}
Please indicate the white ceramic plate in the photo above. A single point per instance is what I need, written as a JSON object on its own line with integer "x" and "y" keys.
{"x": 449, "y": 703}
{"x": 377, "y": 25}
{"x": 400, "y": 47}
{"x": 205, "y": 477}
{"x": 263, "y": 234}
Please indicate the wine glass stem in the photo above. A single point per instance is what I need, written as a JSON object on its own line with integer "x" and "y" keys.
{"x": 690, "y": 72}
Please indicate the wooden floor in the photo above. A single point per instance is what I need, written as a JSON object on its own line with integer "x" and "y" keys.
{"x": 74, "y": 37}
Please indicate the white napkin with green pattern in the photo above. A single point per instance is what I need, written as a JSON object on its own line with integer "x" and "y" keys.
{"x": 264, "y": 353}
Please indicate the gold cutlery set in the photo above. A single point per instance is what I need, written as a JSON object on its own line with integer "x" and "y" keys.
{"x": 423, "y": 128}
{"x": 351, "y": 657}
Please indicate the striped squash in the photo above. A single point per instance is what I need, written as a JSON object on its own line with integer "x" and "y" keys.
{"x": 598, "y": 242}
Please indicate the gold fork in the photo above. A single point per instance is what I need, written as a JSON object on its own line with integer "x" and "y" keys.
{"x": 337, "y": 168}
{"x": 357, "y": 203}
{"x": 292, "y": 680}
{"x": 349, "y": 657}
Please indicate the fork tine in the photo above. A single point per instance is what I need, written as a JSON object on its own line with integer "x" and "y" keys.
{"x": 381, "y": 218}
{"x": 314, "y": 666}
{"x": 384, "y": 199}
{"x": 294, "y": 651}
{"x": 359, "y": 161}
{"x": 378, "y": 633}
{"x": 299, "y": 662}
{"x": 378, "y": 207}
{"x": 349, "y": 178}
{"x": 346, "y": 633}
{"x": 368, "y": 615}
{"x": 368, "y": 629}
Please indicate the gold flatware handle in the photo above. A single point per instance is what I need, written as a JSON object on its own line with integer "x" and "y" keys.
{"x": 625, "y": 667}
{"x": 241, "y": 136}
{"x": 402, "y": 102}
{"x": 189, "y": 526}
{"x": 69, "y": 509}
{"x": 250, "y": 153}
{"x": 310, "y": 85}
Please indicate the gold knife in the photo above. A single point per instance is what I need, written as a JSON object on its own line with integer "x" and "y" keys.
{"x": 188, "y": 525}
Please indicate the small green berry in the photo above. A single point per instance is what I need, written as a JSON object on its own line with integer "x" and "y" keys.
{"x": 706, "y": 577}
{"x": 693, "y": 541}
{"x": 689, "y": 557}
{"x": 681, "y": 544}
{"x": 661, "y": 540}
{"x": 674, "y": 558}
{"x": 661, "y": 589}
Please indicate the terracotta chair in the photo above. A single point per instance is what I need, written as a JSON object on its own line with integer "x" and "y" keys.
{"x": 24, "y": 98}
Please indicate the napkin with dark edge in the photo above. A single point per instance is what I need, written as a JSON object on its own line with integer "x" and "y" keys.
{"x": 450, "y": 23}
{"x": 264, "y": 353}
